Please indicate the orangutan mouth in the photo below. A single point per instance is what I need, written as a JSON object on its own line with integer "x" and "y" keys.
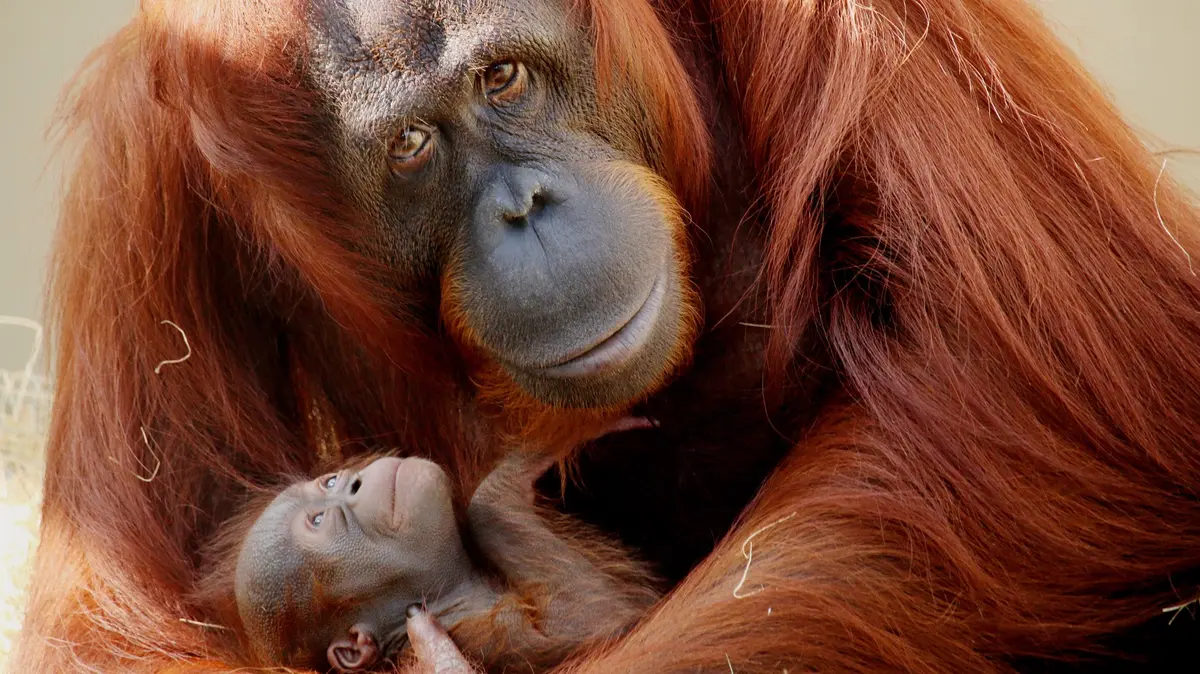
{"x": 622, "y": 345}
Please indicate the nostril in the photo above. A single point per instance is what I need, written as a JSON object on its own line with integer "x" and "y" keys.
{"x": 537, "y": 203}
{"x": 354, "y": 486}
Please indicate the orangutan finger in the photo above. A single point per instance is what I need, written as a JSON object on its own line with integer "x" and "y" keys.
{"x": 435, "y": 651}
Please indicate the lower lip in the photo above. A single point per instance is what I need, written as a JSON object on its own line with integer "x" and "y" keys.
{"x": 621, "y": 346}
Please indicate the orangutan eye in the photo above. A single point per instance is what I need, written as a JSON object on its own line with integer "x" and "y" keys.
{"x": 330, "y": 482}
{"x": 504, "y": 82}
{"x": 410, "y": 149}
{"x": 316, "y": 519}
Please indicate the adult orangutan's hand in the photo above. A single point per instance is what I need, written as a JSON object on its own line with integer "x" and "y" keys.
{"x": 435, "y": 651}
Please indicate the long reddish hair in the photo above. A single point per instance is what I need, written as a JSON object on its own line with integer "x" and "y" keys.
{"x": 998, "y": 270}
{"x": 1004, "y": 278}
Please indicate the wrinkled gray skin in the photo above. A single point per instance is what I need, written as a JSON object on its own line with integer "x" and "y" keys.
{"x": 531, "y": 205}
{"x": 377, "y": 539}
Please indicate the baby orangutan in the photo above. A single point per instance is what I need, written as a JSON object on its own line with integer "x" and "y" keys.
{"x": 332, "y": 569}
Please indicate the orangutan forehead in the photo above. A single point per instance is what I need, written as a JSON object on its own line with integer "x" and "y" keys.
{"x": 271, "y": 575}
{"x": 269, "y": 556}
{"x": 423, "y": 35}
{"x": 269, "y": 544}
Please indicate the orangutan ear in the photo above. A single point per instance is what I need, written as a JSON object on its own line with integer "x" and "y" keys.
{"x": 354, "y": 651}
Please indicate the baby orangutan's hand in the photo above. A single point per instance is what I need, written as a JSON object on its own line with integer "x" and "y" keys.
{"x": 435, "y": 651}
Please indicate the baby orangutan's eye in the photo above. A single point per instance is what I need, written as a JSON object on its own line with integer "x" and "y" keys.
{"x": 329, "y": 482}
{"x": 315, "y": 520}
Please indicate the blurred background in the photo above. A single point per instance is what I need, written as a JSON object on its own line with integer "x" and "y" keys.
{"x": 1146, "y": 52}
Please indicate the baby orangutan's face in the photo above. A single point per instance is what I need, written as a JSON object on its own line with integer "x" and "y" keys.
{"x": 367, "y": 542}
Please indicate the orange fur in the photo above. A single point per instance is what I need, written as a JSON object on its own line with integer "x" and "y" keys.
{"x": 958, "y": 229}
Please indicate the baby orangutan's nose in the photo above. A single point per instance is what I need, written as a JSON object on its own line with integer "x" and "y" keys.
{"x": 375, "y": 482}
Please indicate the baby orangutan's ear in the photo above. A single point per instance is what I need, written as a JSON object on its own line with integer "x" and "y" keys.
{"x": 354, "y": 651}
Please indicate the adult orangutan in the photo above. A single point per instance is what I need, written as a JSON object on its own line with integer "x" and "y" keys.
{"x": 941, "y": 414}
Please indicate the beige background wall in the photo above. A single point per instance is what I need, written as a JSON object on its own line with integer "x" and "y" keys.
{"x": 1146, "y": 51}
{"x": 42, "y": 42}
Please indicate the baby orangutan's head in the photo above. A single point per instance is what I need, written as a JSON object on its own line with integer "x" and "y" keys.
{"x": 328, "y": 569}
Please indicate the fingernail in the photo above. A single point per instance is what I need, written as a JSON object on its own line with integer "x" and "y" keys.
{"x": 414, "y": 610}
